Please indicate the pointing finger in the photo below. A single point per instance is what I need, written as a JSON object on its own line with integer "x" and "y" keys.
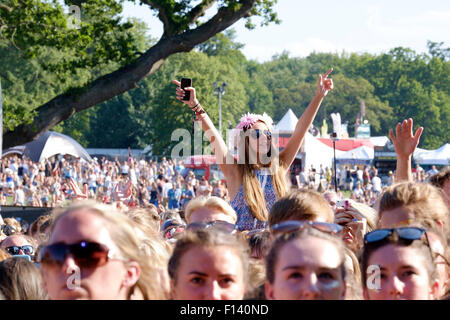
{"x": 328, "y": 72}
{"x": 176, "y": 82}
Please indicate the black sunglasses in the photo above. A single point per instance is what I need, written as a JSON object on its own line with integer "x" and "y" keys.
{"x": 15, "y": 250}
{"x": 216, "y": 224}
{"x": 406, "y": 233}
{"x": 86, "y": 254}
{"x": 294, "y": 225}
{"x": 256, "y": 133}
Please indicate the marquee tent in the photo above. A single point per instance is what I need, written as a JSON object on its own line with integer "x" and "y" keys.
{"x": 440, "y": 156}
{"x": 49, "y": 144}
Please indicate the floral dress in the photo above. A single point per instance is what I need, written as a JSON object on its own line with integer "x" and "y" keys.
{"x": 245, "y": 219}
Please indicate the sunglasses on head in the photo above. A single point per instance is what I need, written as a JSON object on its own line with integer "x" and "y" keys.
{"x": 256, "y": 133}
{"x": 293, "y": 225}
{"x": 406, "y": 233}
{"x": 15, "y": 250}
{"x": 217, "y": 224}
{"x": 86, "y": 254}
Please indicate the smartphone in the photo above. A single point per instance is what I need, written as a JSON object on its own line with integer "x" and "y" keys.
{"x": 186, "y": 82}
{"x": 342, "y": 203}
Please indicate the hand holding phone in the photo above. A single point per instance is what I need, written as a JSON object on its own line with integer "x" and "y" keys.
{"x": 186, "y": 82}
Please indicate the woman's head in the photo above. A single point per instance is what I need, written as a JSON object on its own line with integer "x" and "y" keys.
{"x": 256, "y": 149}
{"x": 93, "y": 253}
{"x": 306, "y": 264}
{"x": 204, "y": 209}
{"x": 302, "y": 205}
{"x": 209, "y": 265}
{"x": 394, "y": 267}
{"x": 408, "y": 202}
{"x": 20, "y": 279}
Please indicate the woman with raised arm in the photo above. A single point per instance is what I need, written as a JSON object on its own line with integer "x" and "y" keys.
{"x": 253, "y": 183}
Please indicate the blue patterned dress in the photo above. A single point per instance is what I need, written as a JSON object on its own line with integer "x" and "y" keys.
{"x": 246, "y": 220}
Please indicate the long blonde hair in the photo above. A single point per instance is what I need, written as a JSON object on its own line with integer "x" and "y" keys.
{"x": 253, "y": 193}
{"x": 123, "y": 232}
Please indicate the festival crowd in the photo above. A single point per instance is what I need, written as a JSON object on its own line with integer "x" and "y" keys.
{"x": 152, "y": 230}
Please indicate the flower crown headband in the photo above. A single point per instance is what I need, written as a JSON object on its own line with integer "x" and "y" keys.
{"x": 249, "y": 119}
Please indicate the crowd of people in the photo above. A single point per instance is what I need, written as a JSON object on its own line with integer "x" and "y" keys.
{"x": 141, "y": 230}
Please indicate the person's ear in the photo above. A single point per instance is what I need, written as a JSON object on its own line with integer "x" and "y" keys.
{"x": 132, "y": 275}
{"x": 434, "y": 291}
{"x": 269, "y": 291}
{"x": 440, "y": 223}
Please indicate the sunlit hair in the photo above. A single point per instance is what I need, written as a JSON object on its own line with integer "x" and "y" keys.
{"x": 423, "y": 200}
{"x": 4, "y": 254}
{"x": 302, "y": 205}
{"x": 208, "y": 238}
{"x": 20, "y": 279}
{"x": 253, "y": 193}
{"x": 369, "y": 213}
{"x": 147, "y": 220}
{"x": 353, "y": 277}
{"x": 123, "y": 232}
{"x": 39, "y": 228}
{"x": 441, "y": 177}
{"x": 210, "y": 202}
{"x": 13, "y": 223}
{"x": 283, "y": 239}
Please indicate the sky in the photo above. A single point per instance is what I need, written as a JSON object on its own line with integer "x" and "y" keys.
{"x": 373, "y": 26}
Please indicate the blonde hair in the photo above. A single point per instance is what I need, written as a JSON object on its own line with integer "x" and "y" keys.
{"x": 211, "y": 202}
{"x": 253, "y": 193}
{"x": 423, "y": 200}
{"x": 147, "y": 220}
{"x": 13, "y": 223}
{"x": 123, "y": 232}
{"x": 301, "y": 205}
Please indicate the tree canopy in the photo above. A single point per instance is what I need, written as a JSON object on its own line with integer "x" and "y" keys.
{"x": 101, "y": 52}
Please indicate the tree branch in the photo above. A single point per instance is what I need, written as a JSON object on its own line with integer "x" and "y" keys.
{"x": 199, "y": 10}
{"x": 163, "y": 16}
{"x": 108, "y": 86}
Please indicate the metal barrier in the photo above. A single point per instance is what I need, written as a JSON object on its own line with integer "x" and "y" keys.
{"x": 29, "y": 214}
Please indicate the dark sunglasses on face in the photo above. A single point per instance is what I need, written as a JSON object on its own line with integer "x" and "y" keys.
{"x": 293, "y": 225}
{"x": 15, "y": 250}
{"x": 406, "y": 233}
{"x": 86, "y": 254}
{"x": 256, "y": 133}
{"x": 217, "y": 224}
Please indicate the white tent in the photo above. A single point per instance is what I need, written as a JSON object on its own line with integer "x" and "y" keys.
{"x": 49, "y": 144}
{"x": 317, "y": 153}
{"x": 360, "y": 155}
{"x": 287, "y": 123}
{"x": 439, "y": 156}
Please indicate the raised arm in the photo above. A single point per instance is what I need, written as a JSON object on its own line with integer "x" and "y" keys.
{"x": 230, "y": 170}
{"x": 405, "y": 144}
{"x": 287, "y": 156}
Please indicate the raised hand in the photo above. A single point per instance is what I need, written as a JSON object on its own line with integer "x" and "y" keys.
{"x": 180, "y": 94}
{"x": 404, "y": 141}
{"x": 325, "y": 84}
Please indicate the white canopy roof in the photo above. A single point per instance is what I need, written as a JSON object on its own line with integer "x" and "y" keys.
{"x": 287, "y": 123}
{"x": 439, "y": 156}
{"x": 318, "y": 153}
{"x": 362, "y": 153}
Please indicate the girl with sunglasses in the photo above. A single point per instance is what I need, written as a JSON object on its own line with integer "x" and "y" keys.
{"x": 208, "y": 264}
{"x": 258, "y": 176}
{"x": 398, "y": 264}
{"x": 306, "y": 264}
{"x": 94, "y": 253}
